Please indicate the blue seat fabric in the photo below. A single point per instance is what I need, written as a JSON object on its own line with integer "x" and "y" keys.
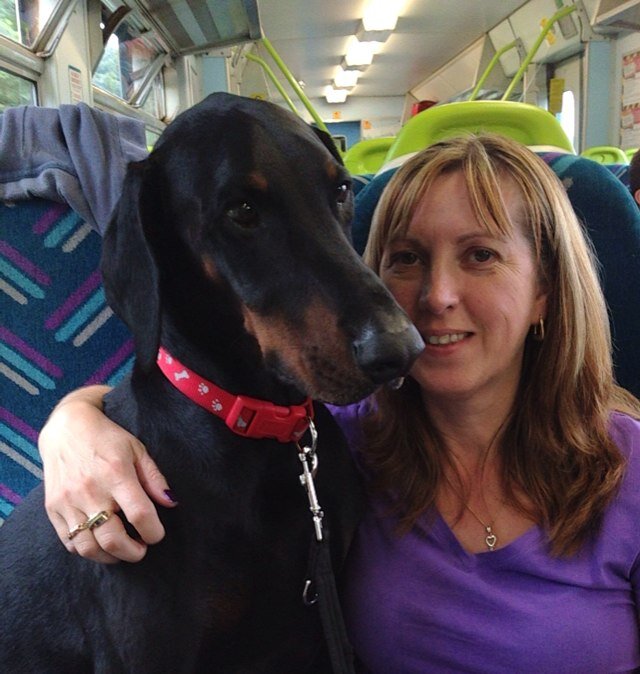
{"x": 56, "y": 331}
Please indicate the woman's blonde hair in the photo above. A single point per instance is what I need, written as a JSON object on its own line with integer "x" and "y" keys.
{"x": 555, "y": 448}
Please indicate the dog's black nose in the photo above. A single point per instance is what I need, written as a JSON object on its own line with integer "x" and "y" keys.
{"x": 384, "y": 355}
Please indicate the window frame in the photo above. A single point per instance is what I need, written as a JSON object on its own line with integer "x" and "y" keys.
{"x": 137, "y": 99}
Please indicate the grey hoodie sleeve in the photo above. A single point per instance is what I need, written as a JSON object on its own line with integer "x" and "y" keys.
{"x": 74, "y": 154}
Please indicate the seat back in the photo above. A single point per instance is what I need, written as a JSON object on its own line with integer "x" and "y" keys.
{"x": 368, "y": 155}
{"x": 525, "y": 123}
{"x": 612, "y": 220}
{"x": 56, "y": 331}
{"x": 613, "y": 158}
{"x": 606, "y": 154}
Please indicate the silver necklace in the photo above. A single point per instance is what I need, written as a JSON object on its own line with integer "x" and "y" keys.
{"x": 490, "y": 539}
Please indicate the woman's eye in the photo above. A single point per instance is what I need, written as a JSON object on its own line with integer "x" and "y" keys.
{"x": 481, "y": 255}
{"x": 243, "y": 214}
{"x": 403, "y": 258}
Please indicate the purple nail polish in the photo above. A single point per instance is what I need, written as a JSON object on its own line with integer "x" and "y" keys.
{"x": 170, "y": 495}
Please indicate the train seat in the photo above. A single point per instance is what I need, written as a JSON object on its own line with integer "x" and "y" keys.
{"x": 612, "y": 220}
{"x": 620, "y": 171}
{"x": 360, "y": 181}
{"x": 606, "y": 154}
{"x": 613, "y": 158}
{"x": 368, "y": 155}
{"x": 56, "y": 331}
{"x": 56, "y": 334}
{"x": 525, "y": 123}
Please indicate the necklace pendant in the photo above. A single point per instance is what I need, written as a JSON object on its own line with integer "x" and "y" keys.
{"x": 490, "y": 539}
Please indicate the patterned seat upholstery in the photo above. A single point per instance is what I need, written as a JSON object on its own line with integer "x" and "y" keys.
{"x": 620, "y": 171}
{"x": 56, "y": 331}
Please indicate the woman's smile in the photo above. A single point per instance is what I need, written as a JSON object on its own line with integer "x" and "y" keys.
{"x": 445, "y": 338}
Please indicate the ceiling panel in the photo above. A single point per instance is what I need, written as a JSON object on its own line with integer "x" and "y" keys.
{"x": 429, "y": 34}
{"x": 192, "y": 26}
{"x": 311, "y": 36}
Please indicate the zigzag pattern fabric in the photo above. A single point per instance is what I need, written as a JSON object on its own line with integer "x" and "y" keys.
{"x": 56, "y": 331}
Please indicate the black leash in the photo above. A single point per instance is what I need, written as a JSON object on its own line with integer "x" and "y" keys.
{"x": 320, "y": 584}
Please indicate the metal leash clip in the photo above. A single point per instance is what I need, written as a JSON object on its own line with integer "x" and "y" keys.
{"x": 309, "y": 459}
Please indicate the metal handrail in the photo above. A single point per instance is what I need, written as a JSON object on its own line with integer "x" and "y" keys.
{"x": 271, "y": 75}
{"x": 490, "y": 67}
{"x": 560, "y": 14}
{"x": 294, "y": 85}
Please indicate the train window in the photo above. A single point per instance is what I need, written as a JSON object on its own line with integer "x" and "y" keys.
{"x": 15, "y": 90}
{"x": 154, "y": 101}
{"x": 23, "y": 20}
{"x": 568, "y": 116}
{"x": 131, "y": 60}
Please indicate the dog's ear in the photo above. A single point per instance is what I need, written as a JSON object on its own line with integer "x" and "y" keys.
{"x": 129, "y": 270}
{"x": 329, "y": 143}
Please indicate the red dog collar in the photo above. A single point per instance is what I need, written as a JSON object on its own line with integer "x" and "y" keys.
{"x": 249, "y": 417}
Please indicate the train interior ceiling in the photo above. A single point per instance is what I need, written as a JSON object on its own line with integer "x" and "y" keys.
{"x": 154, "y": 58}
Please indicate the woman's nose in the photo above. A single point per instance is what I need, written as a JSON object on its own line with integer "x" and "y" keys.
{"x": 440, "y": 290}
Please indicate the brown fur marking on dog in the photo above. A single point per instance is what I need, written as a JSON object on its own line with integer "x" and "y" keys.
{"x": 210, "y": 269}
{"x": 332, "y": 170}
{"x": 258, "y": 181}
{"x": 317, "y": 353}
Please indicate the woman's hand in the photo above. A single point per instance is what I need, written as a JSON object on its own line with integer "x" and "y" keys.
{"x": 91, "y": 464}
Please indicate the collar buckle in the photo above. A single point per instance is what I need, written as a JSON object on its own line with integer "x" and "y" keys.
{"x": 255, "y": 418}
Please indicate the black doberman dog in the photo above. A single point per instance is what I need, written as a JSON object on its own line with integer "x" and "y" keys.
{"x": 229, "y": 249}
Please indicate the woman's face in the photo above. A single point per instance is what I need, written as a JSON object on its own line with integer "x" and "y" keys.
{"x": 472, "y": 295}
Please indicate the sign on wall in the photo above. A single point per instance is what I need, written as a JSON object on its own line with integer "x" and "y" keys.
{"x": 630, "y": 101}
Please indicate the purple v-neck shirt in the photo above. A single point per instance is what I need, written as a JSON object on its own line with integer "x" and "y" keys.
{"x": 421, "y": 604}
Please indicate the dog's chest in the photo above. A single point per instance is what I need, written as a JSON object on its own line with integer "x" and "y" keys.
{"x": 240, "y": 588}
{"x": 234, "y": 560}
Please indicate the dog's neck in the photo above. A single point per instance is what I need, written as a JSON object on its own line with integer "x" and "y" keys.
{"x": 236, "y": 365}
{"x": 202, "y": 325}
{"x": 245, "y": 416}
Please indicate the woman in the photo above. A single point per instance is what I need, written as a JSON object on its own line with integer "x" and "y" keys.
{"x": 501, "y": 533}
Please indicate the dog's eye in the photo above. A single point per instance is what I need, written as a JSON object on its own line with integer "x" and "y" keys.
{"x": 243, "y": 214}
{"x": 343, "y": 192}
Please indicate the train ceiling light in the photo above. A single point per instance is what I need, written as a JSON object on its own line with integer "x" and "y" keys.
{"x": 378, "y": 22}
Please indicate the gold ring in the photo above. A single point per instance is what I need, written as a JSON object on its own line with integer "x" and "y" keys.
{"x": 96, "y": 520}
{"x": 76, "y": 530}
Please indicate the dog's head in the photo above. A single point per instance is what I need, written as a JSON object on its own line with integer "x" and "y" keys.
{"x": 234, "y": 235}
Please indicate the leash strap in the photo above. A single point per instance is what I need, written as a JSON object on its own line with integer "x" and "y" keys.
{"x": 323, "y": 582}
{"x": 320, "y": 584}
